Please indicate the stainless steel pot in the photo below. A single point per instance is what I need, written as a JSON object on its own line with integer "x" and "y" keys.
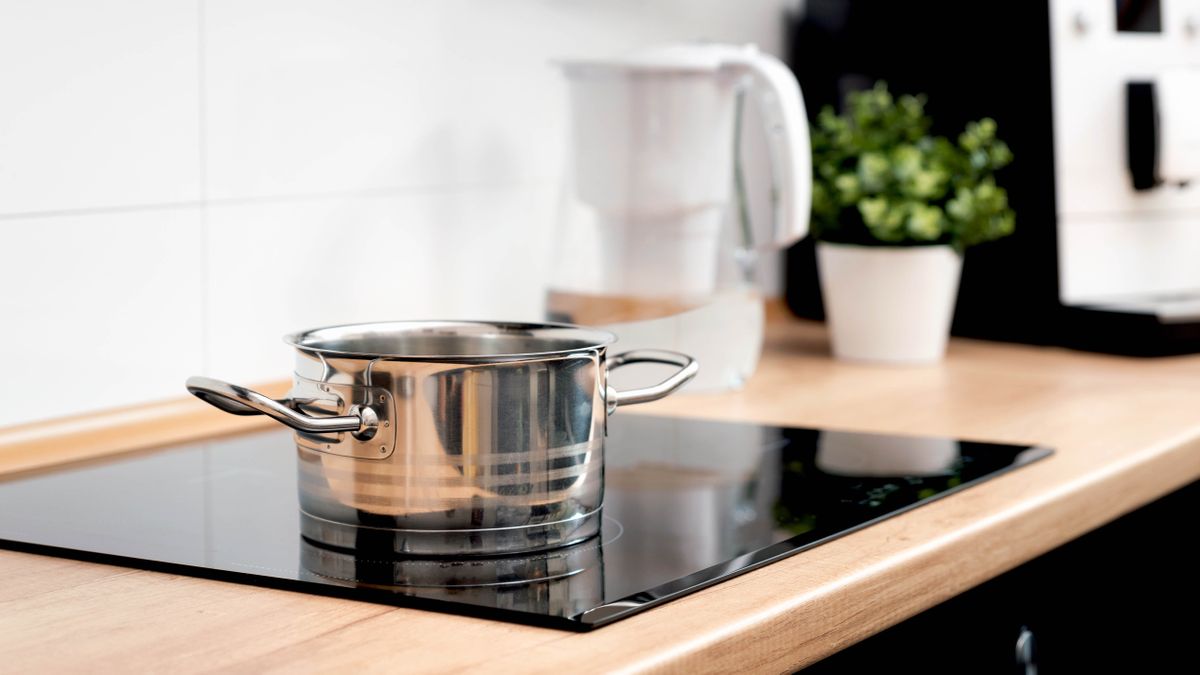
{"x": 450, "y": 438}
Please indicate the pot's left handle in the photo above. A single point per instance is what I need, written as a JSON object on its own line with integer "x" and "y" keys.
{"x": 687, "y": 370}
{"x": 362, "y": 421}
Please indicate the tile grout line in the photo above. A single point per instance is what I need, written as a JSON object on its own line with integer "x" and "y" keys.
{"x": 367, "y": 193}
{"x": 202, "y": 158}
{"x": 205, "y": 251}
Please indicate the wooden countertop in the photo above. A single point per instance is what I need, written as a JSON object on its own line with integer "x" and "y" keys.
{"x": 1126, "y": 431}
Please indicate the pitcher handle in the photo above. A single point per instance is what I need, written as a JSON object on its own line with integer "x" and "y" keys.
{"x": 362, "y": 421}
{"x": 782, "y": 106}
{"x": 687, "y": 370}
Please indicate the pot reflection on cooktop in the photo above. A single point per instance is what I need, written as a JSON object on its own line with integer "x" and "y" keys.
{"x": 559, "y": 582}
{"x": 688, "y": 503}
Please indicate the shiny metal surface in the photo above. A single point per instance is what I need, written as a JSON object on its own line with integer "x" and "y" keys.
{"x": 498, "y": 446}
{"x": 687, "y": 370}
{"x": 456, "y": 341}
{"x": 362, "y": 420}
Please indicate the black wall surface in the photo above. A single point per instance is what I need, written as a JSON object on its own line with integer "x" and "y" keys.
{"x": 973, "y": 59}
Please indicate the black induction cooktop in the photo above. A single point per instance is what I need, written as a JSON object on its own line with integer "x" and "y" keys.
{"x": 688, "y": 504}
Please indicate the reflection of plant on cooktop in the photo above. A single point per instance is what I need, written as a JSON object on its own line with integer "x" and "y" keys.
{"x": 812, "y": 500}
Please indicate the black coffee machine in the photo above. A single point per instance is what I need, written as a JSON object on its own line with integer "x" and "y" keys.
{"x": 1106, "y": 254}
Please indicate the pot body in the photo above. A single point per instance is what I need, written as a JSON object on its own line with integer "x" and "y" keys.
{"x": 474, "y": 457}
{"x": 889, "y": 304}
{"x": 450, "y": 438}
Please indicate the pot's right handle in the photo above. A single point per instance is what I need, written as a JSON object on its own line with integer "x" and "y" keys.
{"x": 687, "y": 370}
{"x": 361, "y": 422}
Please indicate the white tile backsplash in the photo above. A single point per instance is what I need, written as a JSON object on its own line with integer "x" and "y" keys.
{"x": 99, "y": 104}
{"x": 332, "y": 96}
{"x": 279, "y": 268}
{"x": 324, "y": 161}
{"x": 99, "y": 311}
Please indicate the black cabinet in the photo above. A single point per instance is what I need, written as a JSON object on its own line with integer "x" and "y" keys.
{"x": 1121, "y": 599}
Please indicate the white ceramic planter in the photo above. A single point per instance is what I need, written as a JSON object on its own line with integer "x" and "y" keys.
{"x": 889, "y": 304}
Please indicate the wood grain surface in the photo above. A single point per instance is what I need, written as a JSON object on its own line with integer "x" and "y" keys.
{"x": 31, "y": 447}
{"x": 1126, "y": 431}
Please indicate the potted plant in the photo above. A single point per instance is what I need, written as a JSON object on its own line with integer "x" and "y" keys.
{"x": 893, "y": 210}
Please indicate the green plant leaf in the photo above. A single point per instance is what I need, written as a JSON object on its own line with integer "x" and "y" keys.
{"x": 848, "y": 188}
{"x": 880, "y": 177}
{"x": 926, "y": 222}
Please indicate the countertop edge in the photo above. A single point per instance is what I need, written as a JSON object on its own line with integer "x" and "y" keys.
{"x": 1024, "y": 531}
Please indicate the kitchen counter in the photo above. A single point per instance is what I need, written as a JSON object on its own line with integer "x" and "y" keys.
{"x": 1126, "y": 431}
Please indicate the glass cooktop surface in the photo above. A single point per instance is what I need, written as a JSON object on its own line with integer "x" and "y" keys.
{"x": 688, "y": 504}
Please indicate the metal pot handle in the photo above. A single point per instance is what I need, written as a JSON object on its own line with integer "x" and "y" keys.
{"x": 361, "y": 422}
{"x": 687, "y": 370}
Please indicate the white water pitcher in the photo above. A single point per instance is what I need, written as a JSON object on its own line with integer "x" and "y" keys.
{"x": 650, "y": 243}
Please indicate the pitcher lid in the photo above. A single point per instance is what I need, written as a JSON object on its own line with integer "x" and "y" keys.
{"x": 673, "y": 58}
